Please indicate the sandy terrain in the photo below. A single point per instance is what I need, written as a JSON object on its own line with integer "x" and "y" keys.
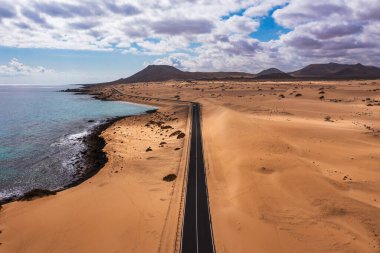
{"x": 126, "y": 207}
{"x": 288, "y": 172}
{"x": 291, "y": 167}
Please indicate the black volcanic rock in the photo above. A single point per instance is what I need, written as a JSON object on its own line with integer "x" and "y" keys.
{"x": 335, "y": 70}
{"x": 269, "y": 71}
{"x": 36, "y": 193}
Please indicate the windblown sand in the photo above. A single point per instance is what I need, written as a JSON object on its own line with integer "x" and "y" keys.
{"x": 123, "y": 208}
{"x": 291, "y": 167}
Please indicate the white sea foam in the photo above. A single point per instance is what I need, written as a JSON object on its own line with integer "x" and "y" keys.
{"x": 11, "y": 193}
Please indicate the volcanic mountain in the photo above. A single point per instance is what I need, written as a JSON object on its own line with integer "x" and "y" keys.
{"x": 269, "y": 72}
{"x": 335, "y": 70}
{"x": 272, "y": 73}
{"x": 158, "y": 73}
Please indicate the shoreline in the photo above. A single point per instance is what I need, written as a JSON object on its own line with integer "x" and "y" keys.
{"x": 135, "y": 208}
{"x": 93, "y": 160}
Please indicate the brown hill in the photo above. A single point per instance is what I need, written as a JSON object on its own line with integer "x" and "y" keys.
{"x": 269, "y": 72}
{"x": 158, "y": 73}
{"x": 274, "y": 76}
{"x": 335, "y": 70}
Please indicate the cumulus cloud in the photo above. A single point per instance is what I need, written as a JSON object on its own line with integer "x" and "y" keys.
{"x": 68, "y": 10}
{"x": 261, "y": 7}
{"x": 34, "y": 17}
{"x": 198, "y": 34}
{"x": 338, "y": 30}
{"x": 17, "y": 68}
{"x": 7, "y": 11}
{"x": 177, "y": 26}
{"x": 125, "y": 9}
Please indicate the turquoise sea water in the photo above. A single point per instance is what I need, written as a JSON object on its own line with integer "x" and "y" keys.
{"x": 41, "y": 133}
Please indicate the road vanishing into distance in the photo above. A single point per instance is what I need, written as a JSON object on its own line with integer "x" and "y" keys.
{"x": 197, "y": 234}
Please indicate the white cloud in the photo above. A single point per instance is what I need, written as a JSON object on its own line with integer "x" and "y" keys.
{"x": 336, "y": 30}
{"x": 105, "y": 24}
{"x": 345, "y": 31}
{"x": 16, "y": 68}
{"x": 262, "y": 7}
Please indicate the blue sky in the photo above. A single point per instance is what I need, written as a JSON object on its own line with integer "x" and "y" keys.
{"x": 57, "y": 41}
{"x": 269, "y": 29}
{"x": 81, "y": 65}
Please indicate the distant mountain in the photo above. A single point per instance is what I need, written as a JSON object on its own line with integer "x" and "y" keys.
{"x": 336, "y": 70}
{"x": 156, "y": 73}
{"x": 273, "y": 76}
{"x": 159, "y": 73}
{"x": 269, "y": 71}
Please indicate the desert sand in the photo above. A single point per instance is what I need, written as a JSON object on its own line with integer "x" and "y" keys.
{"x": 126, "y": 207}
{"x": 291, "y": 167}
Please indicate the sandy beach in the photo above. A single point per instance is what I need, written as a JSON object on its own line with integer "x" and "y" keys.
{"x": 125, "y": 207}
{"x": 291, "y": 167}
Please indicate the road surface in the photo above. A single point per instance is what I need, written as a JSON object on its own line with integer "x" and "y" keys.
{"x": 197, "y": 234}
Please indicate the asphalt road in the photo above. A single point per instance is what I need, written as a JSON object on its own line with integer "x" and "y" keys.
{"x": 197, "y": 234}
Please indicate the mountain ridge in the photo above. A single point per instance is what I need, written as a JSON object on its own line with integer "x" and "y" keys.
{"x": 335, "y": 70}
{"x": 270, "y": 71}
{"x": 160, "y": 73}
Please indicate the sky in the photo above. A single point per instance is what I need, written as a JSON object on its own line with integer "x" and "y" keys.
{"x": 90, "y": 41}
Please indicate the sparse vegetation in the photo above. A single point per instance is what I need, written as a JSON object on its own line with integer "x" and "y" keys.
{"x": 181, "y": 135}
{"x": 175, "y": 133}
{"x": 170, "y": 177}
{"x": 328, "y": 118}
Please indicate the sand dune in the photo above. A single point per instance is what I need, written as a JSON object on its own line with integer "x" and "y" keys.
{"x": 286, "y": 191}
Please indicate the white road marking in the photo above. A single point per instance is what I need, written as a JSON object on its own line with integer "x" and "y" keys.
{"x": 196, "y": 192}
{"x": 196, "y": 182}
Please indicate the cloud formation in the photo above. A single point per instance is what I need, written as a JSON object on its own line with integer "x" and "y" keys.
{"x": 198, "y": 34}
{"x": 16, "y": 68}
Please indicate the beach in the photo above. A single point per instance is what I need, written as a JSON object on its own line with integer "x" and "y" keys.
{"x": 124, "y": 207}
{"x": 291, "y": 167}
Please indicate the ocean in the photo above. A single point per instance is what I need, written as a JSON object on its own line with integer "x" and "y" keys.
{"x": 41, "y": 135}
